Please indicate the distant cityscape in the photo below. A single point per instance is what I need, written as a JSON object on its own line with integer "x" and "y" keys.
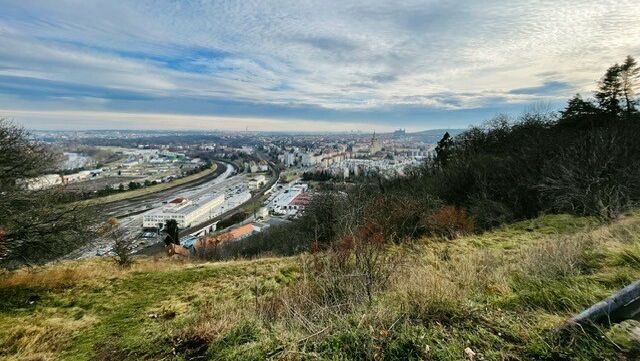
{"x": 275, "y": 174}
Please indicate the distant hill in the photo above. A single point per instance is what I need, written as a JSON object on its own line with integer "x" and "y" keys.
{"x": 434, "y": 135}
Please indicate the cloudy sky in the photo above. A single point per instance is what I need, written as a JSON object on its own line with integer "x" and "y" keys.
{"x": 300, "y": 65}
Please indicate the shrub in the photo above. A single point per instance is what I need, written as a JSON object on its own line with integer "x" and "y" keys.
{"x": 449, "y": 222}
{"x": 121, "y": 244}
{"x": 596, "y": 174}
{"x": 335, "y": 281}
{"x": 488, "y": 214}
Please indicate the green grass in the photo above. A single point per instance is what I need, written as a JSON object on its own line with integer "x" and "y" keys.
{"x": 103, "y": 310}
{"x": 501, "y": 294}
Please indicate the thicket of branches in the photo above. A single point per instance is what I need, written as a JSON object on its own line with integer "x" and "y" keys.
{"x": 34, "y": 225}
{"x": 584, "y": 160}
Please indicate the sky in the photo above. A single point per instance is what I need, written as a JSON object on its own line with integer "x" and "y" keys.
{"x": 301, "y": 65}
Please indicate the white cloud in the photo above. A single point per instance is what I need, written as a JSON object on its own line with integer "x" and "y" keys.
{"x": 328, "y": 54}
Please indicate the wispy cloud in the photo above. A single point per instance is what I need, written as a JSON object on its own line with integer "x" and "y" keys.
{"x": 414, "y": 63}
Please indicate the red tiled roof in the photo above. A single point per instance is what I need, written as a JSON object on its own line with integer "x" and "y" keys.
{"x": 301, "y": 200}
{"x": 223, "y": 237}
{"x": 177, "y": 249}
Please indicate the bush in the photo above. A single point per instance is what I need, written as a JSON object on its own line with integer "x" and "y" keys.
{"x": 488, "y": 214}
{"x": 335, "y": 281}
{"x": 122, "y": 245}
{"x": 449, "y": 222}
{"x": 597, "y": 174}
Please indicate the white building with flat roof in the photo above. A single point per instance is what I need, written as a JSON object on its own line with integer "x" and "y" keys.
{"x": 257, "y": 181}
{"x": 289, "y": 159}
{"x": 280, "y": 203}
{"x": 184, "y": 211}
{"x": 42, "y": 182}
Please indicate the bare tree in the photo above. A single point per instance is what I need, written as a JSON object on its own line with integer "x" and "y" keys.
{"x": 122, "y": 245}
{"x": 21, "y": 156}
{"x": 35, "y": 226}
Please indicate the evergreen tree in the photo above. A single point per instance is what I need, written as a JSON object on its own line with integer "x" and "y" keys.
{"x": 629, "y": 75}
{"x": 610, "y": 92}
{"x": 443, "y": 150}
{"x": 172, "y": 232}
{"x": 577, "y": 109}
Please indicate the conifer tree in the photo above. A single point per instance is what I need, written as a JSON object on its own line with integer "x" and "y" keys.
{"x": 577, "y": 108}
{"x": 629, "y": 76}
{"x": 610, "y": 91}
{"x": 172, "y": 231}
{"x": 443, "y": 150}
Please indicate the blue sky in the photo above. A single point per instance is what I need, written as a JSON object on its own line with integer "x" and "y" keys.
{"x": 301, "y": 65}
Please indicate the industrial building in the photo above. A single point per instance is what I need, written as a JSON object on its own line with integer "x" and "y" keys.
{"x": 283, "y": 202}
{"x": 257, "y": 182}
{"x": 184, "y": 211}
{"x": 41, "y": 182}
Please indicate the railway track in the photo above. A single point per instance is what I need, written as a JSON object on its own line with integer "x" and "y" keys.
{"x": 140, "y": 201}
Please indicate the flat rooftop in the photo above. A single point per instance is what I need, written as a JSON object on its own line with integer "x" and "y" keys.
{"x": 180, "y": 205}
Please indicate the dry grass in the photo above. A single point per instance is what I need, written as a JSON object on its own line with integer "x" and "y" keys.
{"x": 42, "y": 339}
{"x": 553, "y": 258}
{"x": 67, "y": 273}
{"x": 91, "y": 308}
{"x": 212, "y": 321}
{"x": 499, "y": 293}
{"x": 439, "y": 287}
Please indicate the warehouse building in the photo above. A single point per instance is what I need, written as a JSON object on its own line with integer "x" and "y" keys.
{"x": 186, "y": 212}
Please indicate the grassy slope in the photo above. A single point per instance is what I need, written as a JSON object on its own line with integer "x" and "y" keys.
{"x": 148, "y": 190}
{"x": 500, "y": 294}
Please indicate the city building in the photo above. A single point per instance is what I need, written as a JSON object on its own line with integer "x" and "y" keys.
{"x": 289, "y": 159}
{"x": 257, "y": 182}
{"x": 208, "y": 242}
{"x": 399, "y": 133}
{"x": 184, "y": 211}
{"x": 309, "y": 159}
{"x": 376, "y": 145}
{"x": 263, "y": 166}
{"x": 41, "y": 182}
{"x": 283, "y": 202}
{"x": 192, "y": 246}
{"x": 236, "y": 199}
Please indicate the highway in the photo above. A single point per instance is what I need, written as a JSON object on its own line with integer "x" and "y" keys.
{"x": 127, "y": 207}
{"x": 157, "y": 248}
{"x": 130, "y": 212}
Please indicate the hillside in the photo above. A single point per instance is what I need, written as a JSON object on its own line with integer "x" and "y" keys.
{"x": 498, "y": 295}
{"x": 432, "y": 136}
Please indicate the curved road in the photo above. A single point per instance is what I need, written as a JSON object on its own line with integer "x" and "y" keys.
{"x": 136, "y": 205}
{"x": 157, "y": 248}
{"x": 129, "y": 211}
